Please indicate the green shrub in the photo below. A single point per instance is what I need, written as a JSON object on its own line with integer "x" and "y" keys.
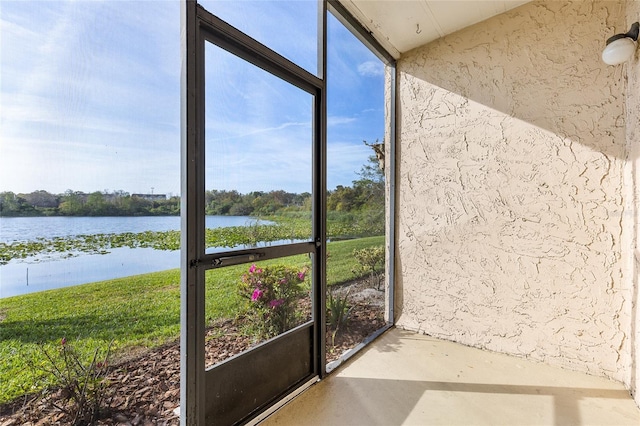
{"x": 337, "y": 313}
{"x": 371, "y": 261}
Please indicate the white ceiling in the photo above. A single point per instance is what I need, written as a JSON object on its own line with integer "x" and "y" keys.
{"x": 401, "y": 25}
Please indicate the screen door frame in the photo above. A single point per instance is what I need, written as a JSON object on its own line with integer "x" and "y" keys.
{"x": 234, "y": 391}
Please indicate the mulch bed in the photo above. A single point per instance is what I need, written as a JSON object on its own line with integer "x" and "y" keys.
{"x": 145, "y": 389}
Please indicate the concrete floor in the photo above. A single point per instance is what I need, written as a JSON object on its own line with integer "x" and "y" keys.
{"x": 403, "y": 378}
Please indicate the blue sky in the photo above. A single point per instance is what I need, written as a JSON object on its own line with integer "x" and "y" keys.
{"x": 90, "y": 98}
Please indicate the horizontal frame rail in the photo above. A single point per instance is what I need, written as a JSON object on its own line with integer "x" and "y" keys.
{"x": 238, "y": 257}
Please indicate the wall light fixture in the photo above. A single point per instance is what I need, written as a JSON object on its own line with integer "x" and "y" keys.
{"x": 621, "y": 47}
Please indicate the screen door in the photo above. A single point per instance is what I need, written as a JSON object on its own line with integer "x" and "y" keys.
{"x": 252, "y": 143}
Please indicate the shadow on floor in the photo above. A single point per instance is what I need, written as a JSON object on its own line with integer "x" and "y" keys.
{"x": 403, "y": 378}
{"x": 394, "y": 402}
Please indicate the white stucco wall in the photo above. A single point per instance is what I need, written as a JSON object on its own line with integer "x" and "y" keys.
{"x": 511, "y": 188}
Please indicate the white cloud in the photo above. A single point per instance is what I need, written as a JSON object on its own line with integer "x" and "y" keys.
{"x": 335, "y": 121}
{"x": 371, "y": 69}
{"x": 242, "y": 130}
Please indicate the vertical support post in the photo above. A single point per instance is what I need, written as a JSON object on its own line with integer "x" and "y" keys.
{"x": 320, "y": 194}
{"x": 192, "y": 363}
{"x": 391, "y": 179}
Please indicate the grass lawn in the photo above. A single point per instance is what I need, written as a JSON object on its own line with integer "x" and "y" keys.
{"x": 141, "y": 311}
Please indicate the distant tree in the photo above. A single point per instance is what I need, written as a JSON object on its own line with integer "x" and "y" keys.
{"x": 342, "y": 199}
{"x": 366, "y": 192}
{"x": 72, "y": 203}
{"x": 42, "y": 199}
{"x": 378, "y": 149}
{"x": 14, "y": 205}
{"x": 117, "y": 201}
{"x": 135, "y": 206}
{"x": 97, "y": 205}
{"x": 168, "y": 207}
{"x": 370, "y": 186}
{"x": 240, "y": 209}
{"x": 220, "y": 202}
{"x": 303, "y": 201}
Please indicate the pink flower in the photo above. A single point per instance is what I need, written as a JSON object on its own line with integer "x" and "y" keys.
{"x": 283, "y": 281}
{"x": 63, "y": 341}
{"x": 301, "y": 275}
{"x": 275, "y": 303}
{"x": 252, "y": 269}
{"x": 257, "y": 294}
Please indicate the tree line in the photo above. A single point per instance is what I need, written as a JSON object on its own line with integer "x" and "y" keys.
{"x": 366, "y": 194}
{"x": 76, "y": 203}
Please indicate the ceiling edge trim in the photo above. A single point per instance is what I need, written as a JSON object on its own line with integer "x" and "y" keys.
{"x": 371, "y": 27}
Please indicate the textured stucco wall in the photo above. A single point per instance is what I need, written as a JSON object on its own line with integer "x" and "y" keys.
{"x": 512, "y": 151}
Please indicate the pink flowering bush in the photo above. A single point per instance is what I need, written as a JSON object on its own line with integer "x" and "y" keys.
{"x": 273, "y": 293}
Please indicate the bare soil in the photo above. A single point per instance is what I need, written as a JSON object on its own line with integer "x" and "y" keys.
{"x": 144, "y": 389}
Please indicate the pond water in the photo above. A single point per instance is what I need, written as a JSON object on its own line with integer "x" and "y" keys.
{"x": 28, "y": 276}
{"x": 25, "y": 277}
{"x": 30, "y": 228}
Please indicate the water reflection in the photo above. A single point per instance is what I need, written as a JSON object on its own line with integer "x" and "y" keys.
{"x": 25, "y": 277}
